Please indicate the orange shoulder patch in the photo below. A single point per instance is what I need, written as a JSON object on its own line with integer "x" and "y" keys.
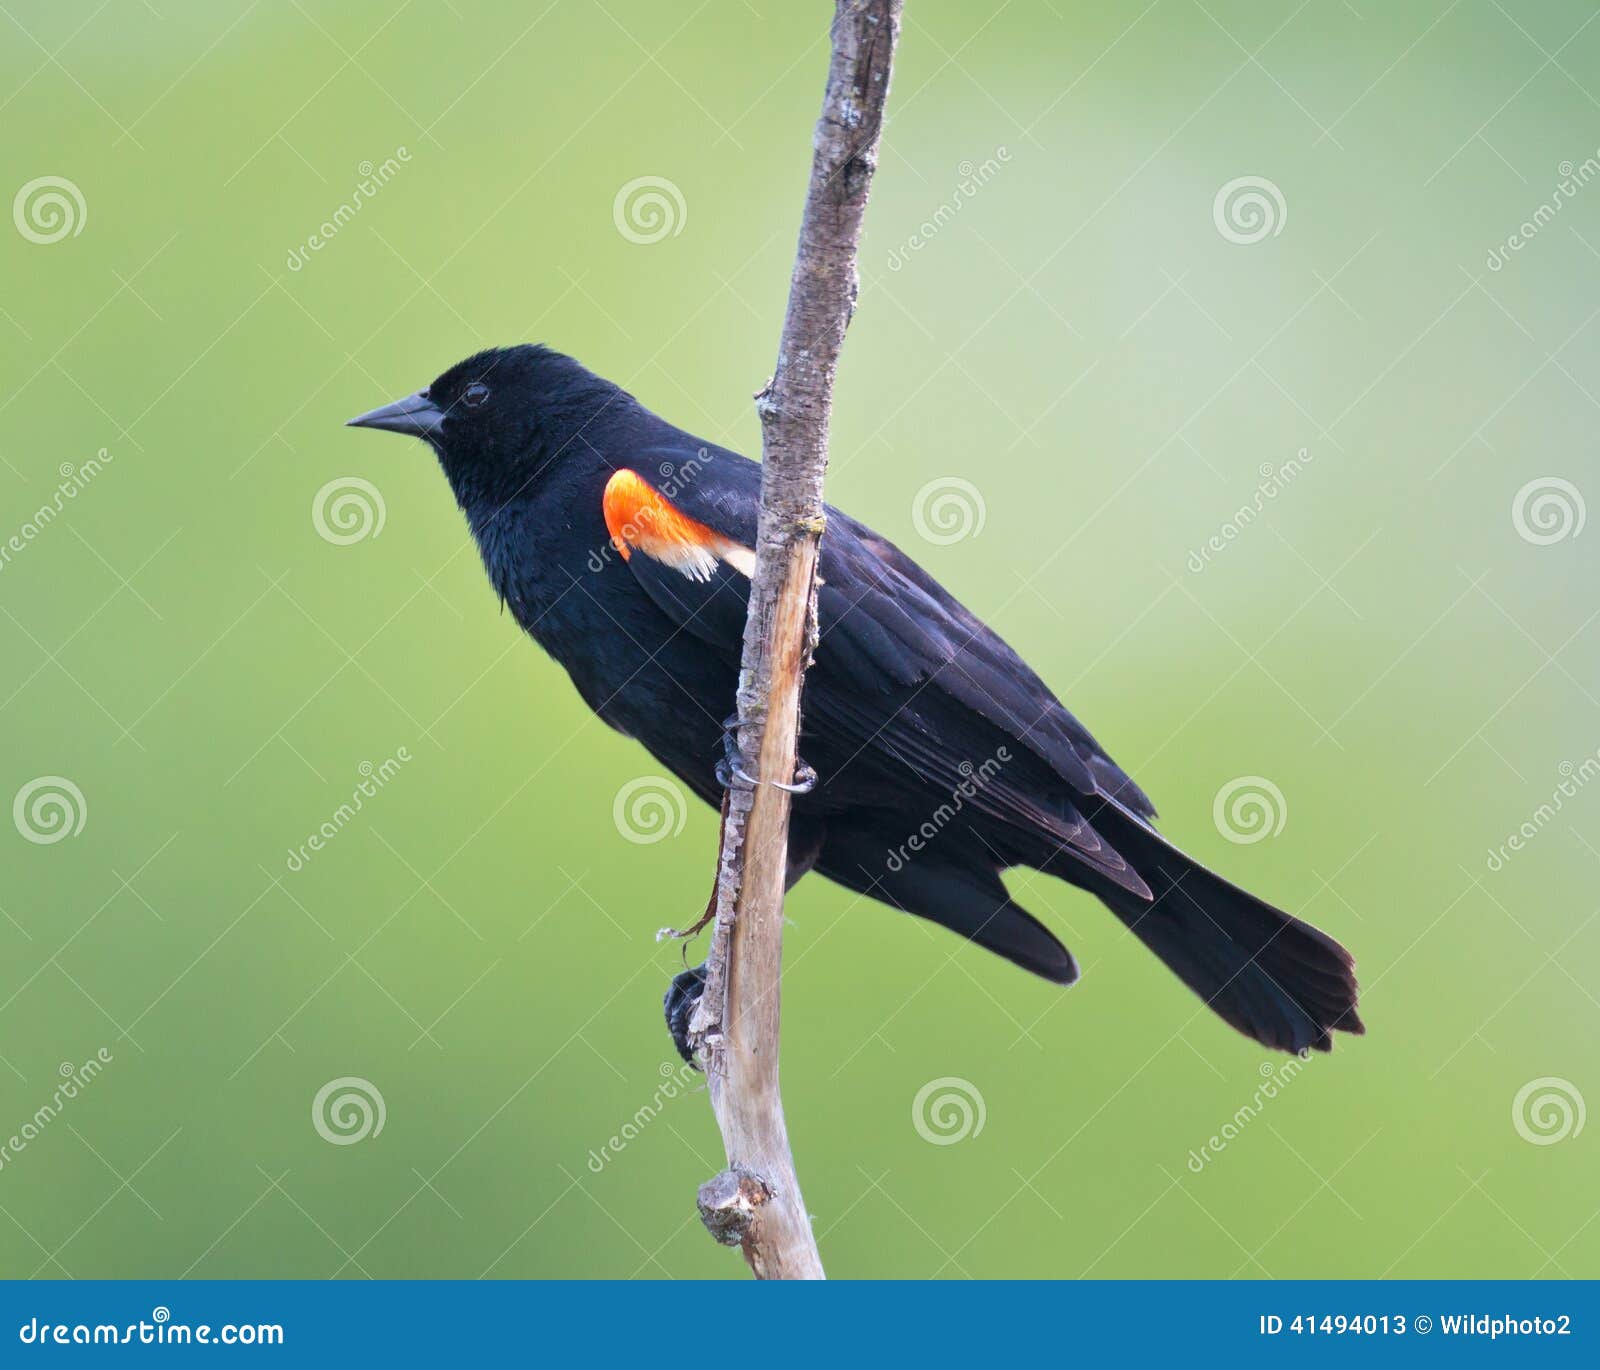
{"x": 639, "y": 518}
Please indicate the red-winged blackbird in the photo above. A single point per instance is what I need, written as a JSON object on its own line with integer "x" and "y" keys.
{"x": 623, "y": 546}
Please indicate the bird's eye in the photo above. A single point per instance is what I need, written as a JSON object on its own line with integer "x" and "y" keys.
{"x": 475, "y": 395}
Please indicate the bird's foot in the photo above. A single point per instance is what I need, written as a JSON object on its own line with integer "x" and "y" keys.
{"x": 732, "y": 768}
{"x": 679, "y": 1004}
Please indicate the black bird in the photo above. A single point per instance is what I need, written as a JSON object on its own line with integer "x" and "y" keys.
{"x": 623, "y": 546}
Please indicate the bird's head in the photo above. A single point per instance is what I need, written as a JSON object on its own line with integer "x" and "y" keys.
{"x": 500, "y": 418}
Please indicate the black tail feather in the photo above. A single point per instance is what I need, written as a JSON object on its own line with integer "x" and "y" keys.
{"x": 1275, "y": 978}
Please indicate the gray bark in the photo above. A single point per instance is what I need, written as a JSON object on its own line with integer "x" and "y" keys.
{"x": 756, "y": 1202}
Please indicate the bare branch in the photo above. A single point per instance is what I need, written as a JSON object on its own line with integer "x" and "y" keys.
{"x": 757, "y": 1201}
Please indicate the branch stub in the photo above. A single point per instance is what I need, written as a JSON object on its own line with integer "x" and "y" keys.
{"x": 728, "y": 1202}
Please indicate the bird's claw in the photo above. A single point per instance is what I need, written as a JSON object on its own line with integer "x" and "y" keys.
{"x": 805, "y": 778}
{"x": 731, "y": 767}
{"x": 727, "y": 772}
{"x": 679, "y": 1004}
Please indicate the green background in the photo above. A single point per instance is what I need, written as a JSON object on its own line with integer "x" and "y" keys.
{"x": 1077, "y": 340}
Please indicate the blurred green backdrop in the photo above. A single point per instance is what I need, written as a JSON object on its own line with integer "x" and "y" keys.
{"x": 1056, "y": 308}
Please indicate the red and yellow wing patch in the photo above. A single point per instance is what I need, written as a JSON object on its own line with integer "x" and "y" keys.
{"x": 639, "y": 518}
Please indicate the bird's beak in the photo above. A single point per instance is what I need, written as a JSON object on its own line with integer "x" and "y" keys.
{"x": 415, "y": 414}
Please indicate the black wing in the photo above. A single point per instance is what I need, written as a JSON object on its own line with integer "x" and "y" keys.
{"x": 902, "y": 669}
